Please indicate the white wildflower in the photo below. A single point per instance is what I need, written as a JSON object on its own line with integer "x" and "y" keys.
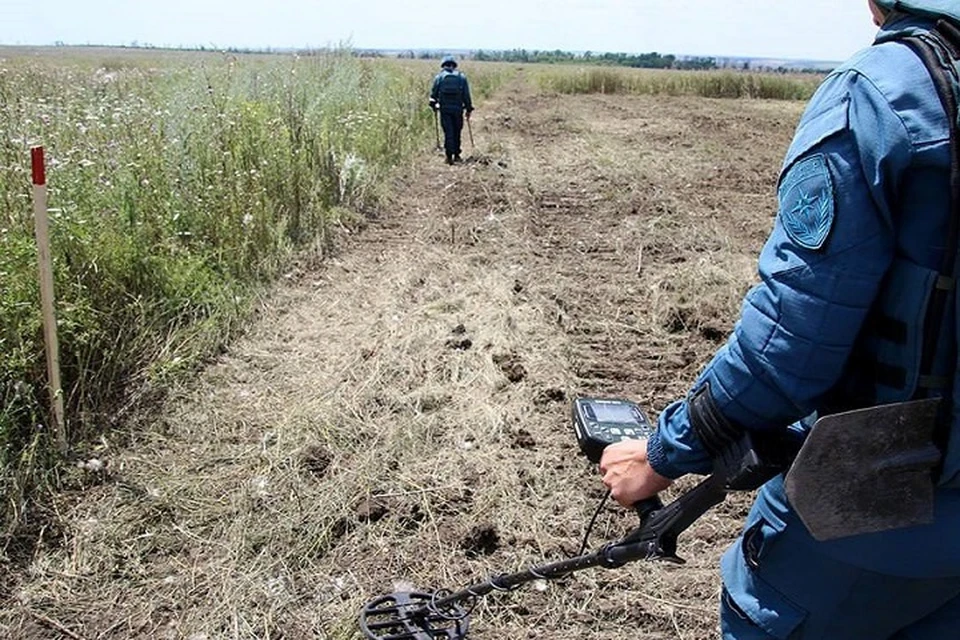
{"x": 404, "y": 586}
{"x": 259, "y": 485}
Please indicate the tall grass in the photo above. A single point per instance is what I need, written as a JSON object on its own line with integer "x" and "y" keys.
{"x": 707, "y": 84}
{"x": 178, "y": 185}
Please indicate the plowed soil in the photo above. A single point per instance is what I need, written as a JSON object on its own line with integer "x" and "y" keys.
{"x": 397, "y": 418}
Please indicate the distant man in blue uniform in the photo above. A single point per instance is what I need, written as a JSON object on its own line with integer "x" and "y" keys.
{"x": 836, "y": 324}
{"x": 450, "y": 95}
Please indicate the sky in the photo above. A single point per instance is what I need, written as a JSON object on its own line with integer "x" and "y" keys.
{"x": 828, "y": 30}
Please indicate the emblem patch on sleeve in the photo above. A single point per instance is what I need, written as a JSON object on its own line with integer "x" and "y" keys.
{"x": 806, "y": 202}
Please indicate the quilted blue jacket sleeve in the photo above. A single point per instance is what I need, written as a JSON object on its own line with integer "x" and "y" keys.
{"x": 820, "y": 270}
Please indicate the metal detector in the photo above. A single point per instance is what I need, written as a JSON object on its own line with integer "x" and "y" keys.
{"x": 445, "y": 615}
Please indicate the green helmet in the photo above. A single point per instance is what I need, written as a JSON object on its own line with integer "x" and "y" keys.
{"x": 448, "y": 61}
{"x": 929, "y": 8}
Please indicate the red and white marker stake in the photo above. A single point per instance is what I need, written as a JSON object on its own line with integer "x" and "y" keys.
{"x": 46, "y": 293}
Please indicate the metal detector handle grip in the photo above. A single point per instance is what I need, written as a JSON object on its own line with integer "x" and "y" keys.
{"x": 645, "y": 508}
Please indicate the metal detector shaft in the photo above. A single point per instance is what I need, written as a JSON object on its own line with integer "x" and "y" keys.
{"x": 656, "y": 538}
{"x": 508, "y": 582}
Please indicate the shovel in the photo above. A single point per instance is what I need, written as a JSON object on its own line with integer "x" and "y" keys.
{"x": 867, "y": 471}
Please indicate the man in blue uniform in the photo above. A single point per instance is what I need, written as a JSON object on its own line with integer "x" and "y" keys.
{"x": 450, "y": 95}
{"x": 837, "y": 323}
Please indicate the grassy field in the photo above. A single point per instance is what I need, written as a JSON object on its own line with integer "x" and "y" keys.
{"x": 396, "y": 413}
{"x": 179, "y": 183}
{"x": 397, "y": 417}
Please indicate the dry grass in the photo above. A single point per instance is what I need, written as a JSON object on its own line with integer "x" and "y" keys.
{"x": 399, "y": 417}
{"x": 717, "y": 83}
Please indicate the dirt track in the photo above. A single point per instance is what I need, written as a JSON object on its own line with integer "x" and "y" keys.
{"x": 399, "y": 416}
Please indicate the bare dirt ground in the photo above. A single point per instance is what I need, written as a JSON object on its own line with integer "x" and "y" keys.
{"x": 399, "y": 417}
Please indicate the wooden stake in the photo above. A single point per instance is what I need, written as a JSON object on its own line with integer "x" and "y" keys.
{"x": 42, "y": 226}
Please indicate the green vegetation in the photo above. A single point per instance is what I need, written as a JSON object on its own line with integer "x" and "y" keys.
{"x": 652, "y": 60}
{"x": 179, "y": 184}
{"x": 707, "y": 84}
{"x": 641, "y": 61}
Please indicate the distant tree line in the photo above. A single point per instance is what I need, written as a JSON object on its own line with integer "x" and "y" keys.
{"x": 651, "y": 60}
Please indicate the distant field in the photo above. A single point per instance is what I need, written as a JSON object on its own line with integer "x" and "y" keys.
{"x": 705, "y": 84}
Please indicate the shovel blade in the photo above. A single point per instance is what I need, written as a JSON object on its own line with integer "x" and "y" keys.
{"x": 867, "y": 471}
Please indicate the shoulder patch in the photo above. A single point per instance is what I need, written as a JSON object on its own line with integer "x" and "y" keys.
{"x": 807, "y": 203}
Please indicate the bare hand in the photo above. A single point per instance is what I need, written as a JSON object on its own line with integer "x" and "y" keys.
{"x": 628, "y": 474}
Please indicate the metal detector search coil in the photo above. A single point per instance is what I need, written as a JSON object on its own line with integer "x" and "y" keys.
{"x": 413, "y": 616}
{"x": 599, "y": 422}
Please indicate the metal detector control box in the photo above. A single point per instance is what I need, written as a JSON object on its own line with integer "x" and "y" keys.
{"x": 599, "y": 422}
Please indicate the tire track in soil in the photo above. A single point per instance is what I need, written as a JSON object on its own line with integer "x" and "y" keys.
{"x": 398, "y": 417}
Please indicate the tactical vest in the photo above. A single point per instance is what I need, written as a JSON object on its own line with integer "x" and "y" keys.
{"x": 450, "y": 91}
{"x": 908, "y": 347}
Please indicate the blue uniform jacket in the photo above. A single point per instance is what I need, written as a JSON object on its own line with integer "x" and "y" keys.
{"x": 865, "y": 183}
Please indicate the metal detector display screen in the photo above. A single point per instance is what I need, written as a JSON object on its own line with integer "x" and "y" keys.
{"x": 601, "y": 422}
{"x": 614, "y": 412}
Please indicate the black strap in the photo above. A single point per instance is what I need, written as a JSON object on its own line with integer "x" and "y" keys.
{"x": 715, "y": 432}
{"x": 888, "y": 328}
{"x": 939, "y": 50}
